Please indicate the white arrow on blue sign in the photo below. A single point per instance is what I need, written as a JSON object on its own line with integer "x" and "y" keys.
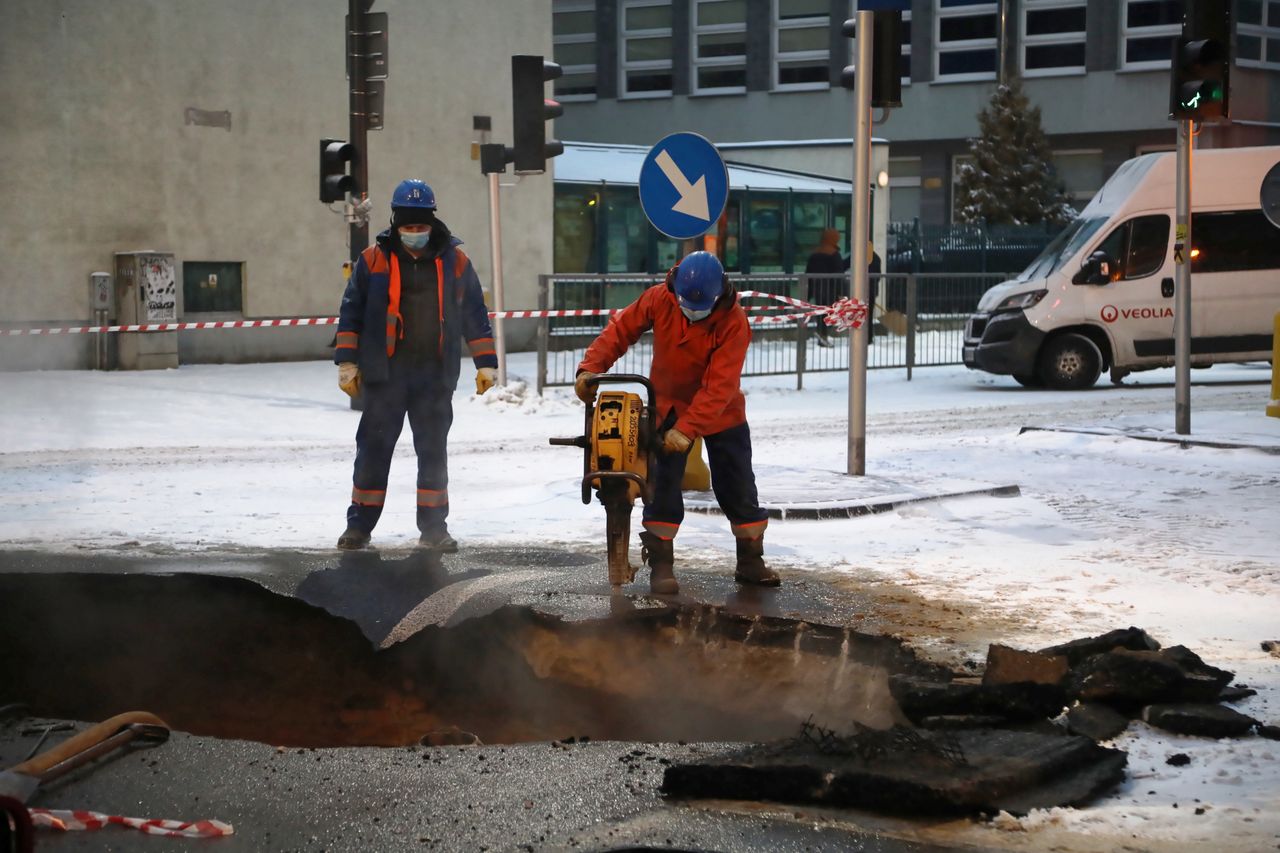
{"x": 684, "y": 185}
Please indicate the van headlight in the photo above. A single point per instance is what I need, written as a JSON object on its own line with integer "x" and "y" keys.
{"x": 1020, "y": 301}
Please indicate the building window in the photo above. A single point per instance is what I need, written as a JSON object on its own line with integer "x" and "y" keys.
{"x": 573, "y": 27}
{"x": 1053, "y": 35}
{"x": 1147, "y": 32}
{"x": 719, "y": 46}
{"x": 904, "y": 189}
{"x": 1081, "y": 174}
{"x": 965, "y": 39}
{"x": 646, "y": 49}
{"x": 1258, "y": 33}
{"x": 801, "y": 44}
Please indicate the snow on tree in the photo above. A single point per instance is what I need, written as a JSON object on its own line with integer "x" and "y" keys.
{"x": 1011, "y": 180}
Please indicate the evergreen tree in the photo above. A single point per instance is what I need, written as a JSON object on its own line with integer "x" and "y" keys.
{"x": 1011, "y": 180}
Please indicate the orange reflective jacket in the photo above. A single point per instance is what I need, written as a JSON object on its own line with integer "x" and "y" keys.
{"x": 697, "y": 367}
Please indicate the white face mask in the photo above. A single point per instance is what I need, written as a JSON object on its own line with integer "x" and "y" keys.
{"x": 414, "y": 240}
{"x": 694, "y": 316}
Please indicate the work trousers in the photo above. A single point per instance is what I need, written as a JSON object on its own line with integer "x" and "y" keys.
{"x": 421, "y": 392}
{"x": 732, "y": 480}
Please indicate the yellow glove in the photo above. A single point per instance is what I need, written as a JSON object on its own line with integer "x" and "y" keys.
{"x": 674, "y": 441}
{"x": 581, "y": 386}
{"x": 486, "y": 378}
{"x": 349, "y": 378}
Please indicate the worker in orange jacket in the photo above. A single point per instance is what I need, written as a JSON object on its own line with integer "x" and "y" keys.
{"x": 700, "y": 339}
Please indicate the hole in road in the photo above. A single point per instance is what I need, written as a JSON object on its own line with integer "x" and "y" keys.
{"x": 223, "y": 656}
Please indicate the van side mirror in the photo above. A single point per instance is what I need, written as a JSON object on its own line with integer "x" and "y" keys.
{"x": 1095, "y": 270}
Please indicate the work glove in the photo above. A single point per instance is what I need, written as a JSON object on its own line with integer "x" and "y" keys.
{"x": 349, "y": 378}
{"x": 486, "y": 378}
{"x": 674, "y": 441}
{"x": 583, "y": 388}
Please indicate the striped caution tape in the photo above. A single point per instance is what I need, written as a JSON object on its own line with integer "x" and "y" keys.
{"x": 809, "y": 310}
{"x": 175, "y": 327}
{"x": 66, "y": 820}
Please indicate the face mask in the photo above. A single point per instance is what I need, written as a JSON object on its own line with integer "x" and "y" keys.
{"x": 694, "y": 316}
{"x": 414, "y": 240}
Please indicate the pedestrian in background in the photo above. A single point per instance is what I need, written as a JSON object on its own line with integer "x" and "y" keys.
{"x": 700, "y": 339}
{"x": 411, "y": 300}
{"x": 826, "y": 270}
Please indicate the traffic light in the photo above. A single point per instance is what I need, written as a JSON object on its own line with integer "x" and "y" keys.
{"x": 530, "y": 110}
{"x": 335, "y": 183}
{"x": 886, "y": 58}
{"x": 1199, "y": 86}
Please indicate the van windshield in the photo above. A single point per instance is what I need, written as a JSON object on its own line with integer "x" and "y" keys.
{"x": 1062, "y": 247}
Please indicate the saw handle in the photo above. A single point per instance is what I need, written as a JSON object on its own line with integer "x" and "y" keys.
{"x": 86, "y": 740}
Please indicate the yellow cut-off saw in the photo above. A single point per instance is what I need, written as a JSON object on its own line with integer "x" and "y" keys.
{"x": 619, "y": 447}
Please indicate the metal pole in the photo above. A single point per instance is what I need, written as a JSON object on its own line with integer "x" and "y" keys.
{"x": 544, "y": 331}
{"x": 495, "y": 256}
{"x": 802, "y": 334}
{"x": 859, "y": 229}
{"x": 1182, "y": 286}
{"x": 1002, "y": 46}
{"x": 912, "y": 311}
{"x": 359, "y": 127}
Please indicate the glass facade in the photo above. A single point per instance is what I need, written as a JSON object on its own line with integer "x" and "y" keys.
{"x": 602, "y": 229}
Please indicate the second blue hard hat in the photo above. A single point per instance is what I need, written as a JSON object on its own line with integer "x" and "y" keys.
{"x": 699, "y": 281}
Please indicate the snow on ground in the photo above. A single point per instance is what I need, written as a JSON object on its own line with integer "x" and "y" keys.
{"x": 1109, "y": 531}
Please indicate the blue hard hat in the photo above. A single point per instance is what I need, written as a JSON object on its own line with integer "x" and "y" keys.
{"x": 413, "y": 193}
{"x": 699, "y": 281}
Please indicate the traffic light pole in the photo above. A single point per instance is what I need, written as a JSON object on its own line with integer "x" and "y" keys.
{"x": 495, "y": 256}
{"x": 1182, "y": 285}
{"x": 859, "y": 229}
{"x": 359, "y": 130}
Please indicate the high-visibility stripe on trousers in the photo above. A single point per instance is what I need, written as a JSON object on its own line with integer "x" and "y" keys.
{"x": 433, "y": 497}
{"x": 369, "y": 497}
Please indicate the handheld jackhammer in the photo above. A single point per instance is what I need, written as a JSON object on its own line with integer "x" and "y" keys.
{"x": 619, "y": 443}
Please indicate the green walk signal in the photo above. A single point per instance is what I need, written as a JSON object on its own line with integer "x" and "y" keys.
{"x": 1199, "y": 85}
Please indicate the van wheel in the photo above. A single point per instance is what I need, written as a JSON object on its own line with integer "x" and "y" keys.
{"x": 1027, "y": 380}
{"x": 1069, "y": 362}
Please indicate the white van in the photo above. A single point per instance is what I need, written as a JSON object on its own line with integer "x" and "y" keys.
{"x": 1100, "y": 295}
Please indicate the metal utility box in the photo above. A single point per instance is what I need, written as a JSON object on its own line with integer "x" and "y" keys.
{"x": 146, "y": 292}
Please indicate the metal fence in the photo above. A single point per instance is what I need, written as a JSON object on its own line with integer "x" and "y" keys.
{"x": 918, "y": 321}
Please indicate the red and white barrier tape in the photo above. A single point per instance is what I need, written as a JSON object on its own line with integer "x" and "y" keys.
{"x": 810, "y": 311}
{"x": 175, "y": 327}
{"x": 66, "y": 820}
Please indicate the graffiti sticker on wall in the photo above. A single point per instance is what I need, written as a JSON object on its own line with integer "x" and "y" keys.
{"x": 159, "y": 289}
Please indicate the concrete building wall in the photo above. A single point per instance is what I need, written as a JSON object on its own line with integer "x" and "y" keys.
{"x": 106, "y": 149}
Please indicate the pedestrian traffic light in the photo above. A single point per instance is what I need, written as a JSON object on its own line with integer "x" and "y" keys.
{"x": 1199, "y": 86}
{"x": 886, "y": 58}
{"x": 335, "y": 183}
{"x": 530, "y": 110}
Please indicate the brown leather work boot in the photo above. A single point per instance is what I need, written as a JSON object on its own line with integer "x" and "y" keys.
{"x": 659, "y": 555}
{"x": 751, "y": 568}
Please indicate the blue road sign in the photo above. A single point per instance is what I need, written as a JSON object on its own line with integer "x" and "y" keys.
{"x": 885, "y": 5}
{"x": 684, "y": 185}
